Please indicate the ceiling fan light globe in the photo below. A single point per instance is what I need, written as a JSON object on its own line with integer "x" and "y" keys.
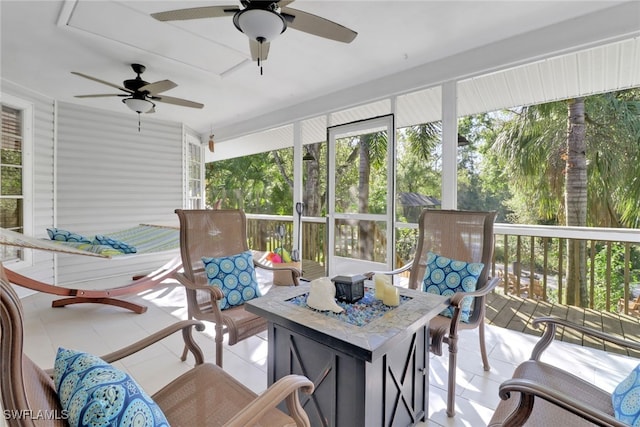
{"x": 259, "y": 24}
{"x": 138, "y": 105}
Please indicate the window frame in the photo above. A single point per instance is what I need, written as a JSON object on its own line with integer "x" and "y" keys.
{"x": 191, "y": 142}
{"x": 27, "y": 111}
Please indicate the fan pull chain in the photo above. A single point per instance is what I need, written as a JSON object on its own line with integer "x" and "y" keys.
{"x": 260, "y": 42}
{"x": 138, "y": 122}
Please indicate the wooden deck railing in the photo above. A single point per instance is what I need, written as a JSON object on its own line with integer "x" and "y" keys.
{"x": 263, "y": 236}
{"x": 533, "y": 262}
{"x": 531, "y": 259}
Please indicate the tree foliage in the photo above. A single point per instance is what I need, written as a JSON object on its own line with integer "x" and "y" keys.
{"x": 532, "y": 145}
{"x": 260, "y": 183}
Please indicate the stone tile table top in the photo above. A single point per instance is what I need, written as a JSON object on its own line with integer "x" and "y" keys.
{"x": 368, "y": 341}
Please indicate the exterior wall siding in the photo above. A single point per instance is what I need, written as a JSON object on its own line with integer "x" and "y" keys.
{"x": 43, "y": 182}
{"x": 112, "y": 177}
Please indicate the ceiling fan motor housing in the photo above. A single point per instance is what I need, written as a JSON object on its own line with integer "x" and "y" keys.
{"x": 138, "y": 68}
{"x": 137, "y": 83}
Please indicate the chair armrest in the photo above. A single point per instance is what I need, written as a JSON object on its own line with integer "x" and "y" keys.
{"x": 407, "y": 266}
{"x": 285, "y": 388}
{"x": 456, "y": 299}
{"x": 216, "y": 293}
{"x": 530, "y": 390}
{"x": 456, "y": 302}
{"x": 186, "y": 326}
{"x": 296, "y": 273}
{"x": 550, "y": 331}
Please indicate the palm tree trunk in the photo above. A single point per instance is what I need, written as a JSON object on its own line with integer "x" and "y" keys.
{"x": 312, "y": 197}
{"x": 576, "y": 202}
{"x": 365, "y": 235}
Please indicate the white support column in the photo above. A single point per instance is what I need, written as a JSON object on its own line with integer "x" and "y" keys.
{"x": 297, "y": 184}
{"x": 392, "y": 165}
{"x": 449, "y": 145}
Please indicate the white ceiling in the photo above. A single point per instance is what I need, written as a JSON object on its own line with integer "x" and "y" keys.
{"x": 401, "y": 46}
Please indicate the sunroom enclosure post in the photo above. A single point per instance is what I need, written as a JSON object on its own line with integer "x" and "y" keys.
{"x": 449, "y": 145}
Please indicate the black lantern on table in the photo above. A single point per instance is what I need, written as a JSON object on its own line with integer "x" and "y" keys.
{"x": 349, "y": 288}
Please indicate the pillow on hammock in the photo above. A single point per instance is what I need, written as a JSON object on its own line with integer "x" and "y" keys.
{"x": 114, "y": 243}
{"x": 66, "y": 236}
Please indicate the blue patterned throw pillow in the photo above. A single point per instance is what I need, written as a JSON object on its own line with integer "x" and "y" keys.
{"x": 626, "y": 399}
{"x": 66, "y": 236}
{"x": 446, "y": 276}
{"x": 235, "y": 276}
{"x": 94, "y": 393}
{"x": 114, "y": 243}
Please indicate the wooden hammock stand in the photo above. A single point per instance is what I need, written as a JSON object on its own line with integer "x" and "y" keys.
{"x": 100, "y": 296}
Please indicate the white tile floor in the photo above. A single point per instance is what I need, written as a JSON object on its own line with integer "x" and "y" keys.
{"x": 100, "y": 329}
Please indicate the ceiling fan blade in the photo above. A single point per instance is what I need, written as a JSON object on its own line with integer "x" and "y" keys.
{"x": 284, "y": 3}
{"x": 259, "y": 50}
{"x": 157, "y": 87}
{"x": 177, "y": 101}
{"x": 101, "y": 81}
{"x": 196, "y": 13}
{"x": 318, "y": 26}
{"x": 100, "y": 95}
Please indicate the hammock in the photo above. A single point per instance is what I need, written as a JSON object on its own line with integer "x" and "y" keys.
{"x": 146, "y": 238}
{"x": 11, "y": 238}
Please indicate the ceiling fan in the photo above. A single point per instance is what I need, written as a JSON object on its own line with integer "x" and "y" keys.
{"x": 262, "y": 21}
{"x": 139, "y": 95}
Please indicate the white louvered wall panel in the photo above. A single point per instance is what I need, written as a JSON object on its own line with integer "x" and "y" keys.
{"x": 629, "y": 59}
{"x": 423, "y": 106}
{"x": 112, "y": 177}
{"x": 601, "y": 69}
{"x": 314, "y": 130}
{"x": 361, "y": 112}
{"x": 43, "y": 120}
{"x": 259, "y": 142}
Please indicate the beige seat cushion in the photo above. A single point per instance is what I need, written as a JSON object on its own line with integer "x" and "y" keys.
{"x": 213, "y": 402}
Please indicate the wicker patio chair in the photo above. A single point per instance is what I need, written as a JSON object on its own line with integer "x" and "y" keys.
{"x": 465, "y": 236}
{"x": 217, "y": 233}
{"x": 510, "y": 284}
{"x": 204, "y": 396}
{"x": 540, "y": 394}
{"x": 633, "y": 306}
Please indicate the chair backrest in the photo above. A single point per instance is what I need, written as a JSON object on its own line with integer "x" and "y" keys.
{"x": 210, "y": 233}
{"x": 461, "y": 235}
{"x": 27, "y": 391}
